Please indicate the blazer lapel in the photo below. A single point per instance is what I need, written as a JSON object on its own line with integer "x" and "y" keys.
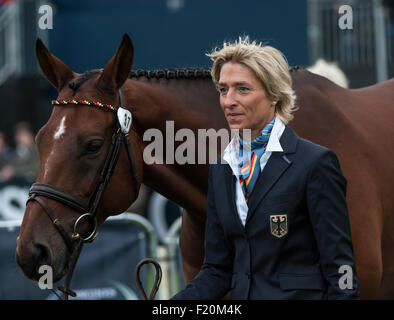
{"x": 277, "y": 164}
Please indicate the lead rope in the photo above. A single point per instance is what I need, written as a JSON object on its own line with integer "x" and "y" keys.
{"x": 158, "y": 276}
{"x": 73, "y": 262}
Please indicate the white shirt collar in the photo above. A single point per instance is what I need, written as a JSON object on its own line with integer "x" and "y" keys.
{"x": 230, "y": 154}
{"x": 276, "y": 133}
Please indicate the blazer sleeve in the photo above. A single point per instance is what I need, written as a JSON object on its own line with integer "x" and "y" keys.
{"x": 326, "y": 197}
{"x": 214, "y": 279}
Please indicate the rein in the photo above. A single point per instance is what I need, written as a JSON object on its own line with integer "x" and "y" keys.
{"x": 158, "y": 276}
{"x": 87, "y": 208}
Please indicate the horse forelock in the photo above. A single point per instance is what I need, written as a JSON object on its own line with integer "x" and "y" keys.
{"x": 77, "y": 83}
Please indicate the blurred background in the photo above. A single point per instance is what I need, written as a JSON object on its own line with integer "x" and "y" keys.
{"x": 350, "y": 42}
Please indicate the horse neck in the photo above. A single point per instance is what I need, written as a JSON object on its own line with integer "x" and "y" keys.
{"x": 186, "y": 102}
{"x": 191, "y": 104}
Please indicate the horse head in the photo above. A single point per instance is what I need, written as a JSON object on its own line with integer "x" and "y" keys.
{"x": 74, "y": 145}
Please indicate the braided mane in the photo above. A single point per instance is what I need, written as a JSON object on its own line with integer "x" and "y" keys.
{"x": 180, "y": 73}
{"x": 175, "y": 73}
{"x": 170, "y": 73}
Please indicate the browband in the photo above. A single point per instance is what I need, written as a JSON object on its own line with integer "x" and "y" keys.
{"x": 84, "y": 102}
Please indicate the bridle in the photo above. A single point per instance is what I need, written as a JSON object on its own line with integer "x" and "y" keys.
{"x": 87, "y": 207}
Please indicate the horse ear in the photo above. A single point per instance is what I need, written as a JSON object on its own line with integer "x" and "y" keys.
{"x": 118, "y": 68}
{"x": 57, "y": 72}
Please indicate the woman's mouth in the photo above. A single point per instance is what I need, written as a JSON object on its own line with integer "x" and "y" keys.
{"x": 234, "y": 116}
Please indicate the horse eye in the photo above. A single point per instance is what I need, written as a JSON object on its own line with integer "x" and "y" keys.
{"x": 94, "y": 145}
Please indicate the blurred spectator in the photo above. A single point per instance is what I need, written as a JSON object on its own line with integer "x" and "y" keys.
{"x": 5, "y": 151}
{"x": 25, "y": 161}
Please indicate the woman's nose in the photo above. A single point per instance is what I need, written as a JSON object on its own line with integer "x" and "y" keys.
{"x": 228, "y": 100}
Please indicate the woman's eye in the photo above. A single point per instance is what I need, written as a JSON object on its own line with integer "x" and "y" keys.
{"x": 222, "y": 90}
{"x": 93, "y": 146}
{"x": 243, "y": 89}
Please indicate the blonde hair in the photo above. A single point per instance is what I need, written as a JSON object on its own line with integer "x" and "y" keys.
{"x": 270, "y": 67}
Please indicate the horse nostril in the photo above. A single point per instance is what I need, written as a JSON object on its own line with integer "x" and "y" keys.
{"x": 43, "y": 255}
{"x": 31, "y": 257}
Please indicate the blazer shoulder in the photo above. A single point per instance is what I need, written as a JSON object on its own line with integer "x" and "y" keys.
{"x": 317, "y": 156}
{"x": 312, "y": 149}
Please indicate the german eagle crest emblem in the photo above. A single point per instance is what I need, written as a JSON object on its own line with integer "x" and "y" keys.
{"x": 278, "y": 225}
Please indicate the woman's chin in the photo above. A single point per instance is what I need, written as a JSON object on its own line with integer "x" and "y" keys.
{"x": 236, "y": 125}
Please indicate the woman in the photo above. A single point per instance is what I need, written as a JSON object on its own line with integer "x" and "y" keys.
{"x": 280, "y": 227}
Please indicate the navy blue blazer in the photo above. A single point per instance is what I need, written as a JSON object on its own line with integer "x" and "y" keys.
{"x": 296, "y": 236}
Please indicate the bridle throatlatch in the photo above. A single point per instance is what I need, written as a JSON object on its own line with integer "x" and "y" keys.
{"x": 87, "y": 207}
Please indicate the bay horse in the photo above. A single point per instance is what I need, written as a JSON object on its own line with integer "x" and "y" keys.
{"x": 357, "y": 124}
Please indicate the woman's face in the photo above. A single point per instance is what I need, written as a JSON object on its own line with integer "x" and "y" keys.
{"x": 243, "y": 99}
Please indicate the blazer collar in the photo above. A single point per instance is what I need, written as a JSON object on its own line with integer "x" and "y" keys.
{"x": 289, "y": 140}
